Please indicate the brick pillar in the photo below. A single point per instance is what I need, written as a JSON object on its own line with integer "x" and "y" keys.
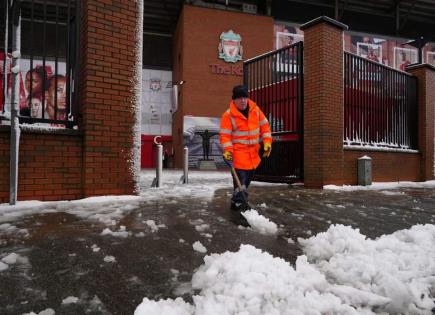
{"x": 110, "y": 95}
{"x": 323, "y": 102}
{"x": 425, "y": 74}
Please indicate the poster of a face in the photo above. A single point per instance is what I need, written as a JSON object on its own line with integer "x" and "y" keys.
{"x": 393, "y": 52}
{"x": 404, "y": 57}
{"x": 284, "y": 39}
{"x": 42, "y": 93}
{"x": 201, "y": 136}
{"x": 370, "y": 51}
{"x": 285, "y": 35}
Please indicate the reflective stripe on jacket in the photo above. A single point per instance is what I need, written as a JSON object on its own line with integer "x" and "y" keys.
{"x": 242, "y": 136}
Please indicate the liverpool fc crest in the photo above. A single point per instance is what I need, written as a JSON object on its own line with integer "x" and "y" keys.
{"x": 155, "y": 84}
{"x": 230, "y": 49}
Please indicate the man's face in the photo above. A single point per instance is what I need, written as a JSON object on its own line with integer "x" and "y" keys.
{"x": 241, "y": 103}
{"x": 61, "y": 94}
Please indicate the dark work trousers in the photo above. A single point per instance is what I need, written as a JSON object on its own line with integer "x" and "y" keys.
{"x": 245, "y": 177}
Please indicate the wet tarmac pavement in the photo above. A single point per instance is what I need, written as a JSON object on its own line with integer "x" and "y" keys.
{"x": 63, "y": 255}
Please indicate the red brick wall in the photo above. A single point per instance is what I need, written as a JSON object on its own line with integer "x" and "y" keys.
{"x": 323, "y": 104}
{"x": 4, "y": 164}
{"x": 196, "y": 44}
{"x": 110, "y": 112}
{"x": 50, "y": 165}
{"x": 426, "y": 106}
{"x": 100, "y": 159}
{"x": 386, "y": 166}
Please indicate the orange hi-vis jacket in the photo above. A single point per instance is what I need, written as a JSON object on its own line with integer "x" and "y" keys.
{"x": 241, "y": 136}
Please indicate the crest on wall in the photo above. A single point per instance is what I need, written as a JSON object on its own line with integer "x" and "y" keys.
{"x": 155, "y": 85}
{"x": 230, "y": 48}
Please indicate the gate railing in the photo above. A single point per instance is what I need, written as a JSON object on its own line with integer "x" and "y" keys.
{"x": 49, "y": 45}
{"x": 275, "y": 83}
{"x": 380, "y": 105}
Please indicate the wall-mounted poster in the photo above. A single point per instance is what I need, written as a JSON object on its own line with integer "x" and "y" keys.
{"x": 157, "y": 102}
{"x": 404, "y": 57}
{"x": 285, "y": 35}
{"x": 42, "y": 88}
{"x": 201, "y": 136}
{"x": 430, "y": 54}
{"x": 393, "y": 52}
{"x": 431, "y": 57}
{"x": 370, "y": 51}
{"x": 372, "y": 48}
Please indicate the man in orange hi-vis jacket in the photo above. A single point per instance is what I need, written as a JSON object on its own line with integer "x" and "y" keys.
{"x": 243, "y": 127}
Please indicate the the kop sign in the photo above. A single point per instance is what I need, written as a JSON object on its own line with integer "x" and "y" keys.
{"x": 231, "y": 51}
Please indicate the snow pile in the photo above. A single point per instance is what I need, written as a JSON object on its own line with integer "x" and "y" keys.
{"x": 343, "y": 273}
{"x": 121, "y": 233}
{"x": 110, "y": 259}
{"x": 202, "y": 227}
{"x": 11, "y": 259}
{"x": 166, "y": 307}
{"x": 400, "y": 266}
{"x": 3, "y": 266}
{"x": 47, "y": 311}
{"x": 10, "y": 229}
{"x": 259, "y": 223}
{"x": 199, "y": 247}
{"x": 95, "y": 248}
{"x": 70, "y": 300}
{"x": 383, "y": 185}
{"x": 154, "y": 227}
{"x": 105, "y": 209}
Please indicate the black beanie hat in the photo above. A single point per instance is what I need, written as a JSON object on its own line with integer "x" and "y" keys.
{"x": 239, "y": 91}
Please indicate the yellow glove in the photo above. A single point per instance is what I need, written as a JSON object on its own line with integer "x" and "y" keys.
{"x": 228, "y": 156}
{"x": 267, "y": 148}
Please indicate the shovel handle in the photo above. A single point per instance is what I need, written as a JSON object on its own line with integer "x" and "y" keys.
{"x": 236, "y": 177}
{"x": 234, "y": 173}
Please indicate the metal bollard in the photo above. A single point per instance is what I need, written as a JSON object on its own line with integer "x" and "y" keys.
{"x": 159, "y": 163}
{"x": 186, "y": 165}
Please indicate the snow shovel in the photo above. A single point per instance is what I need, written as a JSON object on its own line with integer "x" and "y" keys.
{"x": 245, "y": 203}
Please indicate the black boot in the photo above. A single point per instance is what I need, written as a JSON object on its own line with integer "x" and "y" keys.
{"x": 236, "y": 213}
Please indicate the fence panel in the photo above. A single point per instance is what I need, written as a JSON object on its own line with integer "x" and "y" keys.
{"x": 380, "y": 105}
{"x": 275, "y": 83}
{"x": 48, "y": 62}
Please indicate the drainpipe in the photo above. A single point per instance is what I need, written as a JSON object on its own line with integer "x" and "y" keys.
{"x": 15, "y": 98}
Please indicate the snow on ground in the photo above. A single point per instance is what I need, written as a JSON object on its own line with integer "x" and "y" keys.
{"x": 382, "y": 186}
{"x": 111, "y": 209}
{"x": 201, "y": 184}
{"x": 12, "y": 259}
{"x": 121, "y": 233}
{"x": 153, "y": 226}
{"x": 3, "y": 266}
{"x": 70, "y": 300}
{"x": 105, "y": 209}
{"x": 341, "y": 272}
{"x": 197, "y": 246}
{"x": 47, "y": 311}
{"x": 109, "y": 259}
{"x": 8, "y": 229}
{"x": 259, "y": 223}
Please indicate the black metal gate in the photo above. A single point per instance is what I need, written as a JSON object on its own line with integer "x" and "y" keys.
{"x": 275, "y": 83}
